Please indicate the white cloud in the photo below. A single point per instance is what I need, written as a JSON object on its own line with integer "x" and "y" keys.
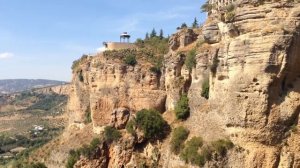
{"x": 6, "y": 55}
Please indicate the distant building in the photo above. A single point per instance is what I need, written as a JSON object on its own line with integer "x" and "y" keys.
{"x": 123, "y": 44}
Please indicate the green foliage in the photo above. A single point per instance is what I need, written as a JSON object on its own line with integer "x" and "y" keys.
{"x": 130, "y": 60}
{"x": 76, "y": 63}
{"x": 230, "y": 7}
{"x": 74, "y": 156}
{"x": 47, "y": 101}
{"x": 151, "y": 123}
{"x": 221, "y": 146}
{"x": 230, "y": 16}
{"x": 131, "y": 126}
{"x": 161, "y": 34}
{"x": 111, "y": 134}
{"x": 190, "y": 61}
{"x": 180, "y": 134}
{"x": 183, "y": 26}
{"x": 87, "y": 150}
{"x": 147, "y": 36}
{"x": 205, "y": 88}
{"x": 158, "y": 63}
{"x": 182, "y": 110}
{"x": 206, "y": 7}
{"x": 195, "y": 23}
{"x": 190, "y": 152}
{"x": 153, "y": 33}
{"x": 87, "y": 114}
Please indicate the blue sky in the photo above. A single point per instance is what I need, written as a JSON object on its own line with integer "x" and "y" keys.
{"x": 41, "y": 38}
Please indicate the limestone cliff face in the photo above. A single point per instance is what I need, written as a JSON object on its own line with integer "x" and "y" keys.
{"x": 108, "y": 84}
{"x": 252, "y": 64}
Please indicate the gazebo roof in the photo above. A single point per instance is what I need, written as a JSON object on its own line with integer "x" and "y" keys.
{"x": 125, "y": 34}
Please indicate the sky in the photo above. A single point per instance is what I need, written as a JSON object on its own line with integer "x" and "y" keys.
{"x": 39, "y": 39}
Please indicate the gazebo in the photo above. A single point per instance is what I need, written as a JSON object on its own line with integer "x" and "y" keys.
{"x": 124, "y": 37}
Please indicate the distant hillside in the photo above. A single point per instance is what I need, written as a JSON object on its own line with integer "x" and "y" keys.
{"x": 18, "y": 85}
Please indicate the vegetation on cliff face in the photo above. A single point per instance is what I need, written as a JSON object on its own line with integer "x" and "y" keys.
{"x": 88, "y": 151}
{"x": 182, "y": 109}
{"x": 190, "y": 61}
{"x": 179, "y": 135}
{"x": 205, "y": 88}
{"x": 150, "y": 122}
{"x": 111, "y": 134}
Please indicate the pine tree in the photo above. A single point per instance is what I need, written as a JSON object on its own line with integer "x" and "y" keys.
{"x": 153, "y": 33}
{"x": 147, "y": 36}
{"x": 161, "y": 34}
{"x": 183, "y": 25}
{"x": 195, "y": 23}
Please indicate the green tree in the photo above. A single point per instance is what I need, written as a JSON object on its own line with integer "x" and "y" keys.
{"x": 161, "y": 34}
{"x": 179, "y": 135}
{"x": 147, "y": 36}
{"x": 130, "y": 60}
{"x": 182, "y": 110}
{"x": 151, "y": 123}
{"x": 190, "y": 152}
{"x": 206, "y": 7}
{"x": 111, "y": 134}
{"x": 183, "y": 26}
{"x": 190, "y": 61}
{"x": 195, "y": 23}
{"x": 153, "y": 33}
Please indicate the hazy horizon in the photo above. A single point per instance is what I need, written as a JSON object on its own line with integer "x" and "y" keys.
{"x": 40, "y": 40}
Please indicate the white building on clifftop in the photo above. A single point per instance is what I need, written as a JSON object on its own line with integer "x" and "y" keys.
{"x": 123, "y": 44}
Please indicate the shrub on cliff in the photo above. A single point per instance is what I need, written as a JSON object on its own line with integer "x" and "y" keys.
{"x": 130, "y": 127}
{"x": 182, "y": 109}
{"x": 190, "y": 152}
{"x": 206, "y": 7}
{"x": 205, "y": 88}
{"x": 151, "y": 123}
{"x": 221, "y": 146}
{"x": 180, "y": 134}
{"x": 190, "y": 61}
{"x": 87, "y": 151}
{"x": 130, "y": 60}
{"x": 111, "y": 134}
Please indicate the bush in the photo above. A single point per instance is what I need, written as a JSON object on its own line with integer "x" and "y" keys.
{"x": 130, "y": 127}
{"x": 182, "y": 110}
{"x": 230, "y": 16}
{"x": 87, "y": 150}
{"x": 205, "y": 89}
{"x": 230, "y": 7}
{"x": 111, "y": 134}
{"x": 130, "y": 60}
{"x": 190, "y": 153}
{"x": 221, "y": 146}
{"x": 179, "y": 135}
{"x": 206, "y": 7}
{"x": 151, "y": 123}
{"x": 190, "y": 61}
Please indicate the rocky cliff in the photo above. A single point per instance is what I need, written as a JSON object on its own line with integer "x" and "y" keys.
{"x": 250, "y": 58}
